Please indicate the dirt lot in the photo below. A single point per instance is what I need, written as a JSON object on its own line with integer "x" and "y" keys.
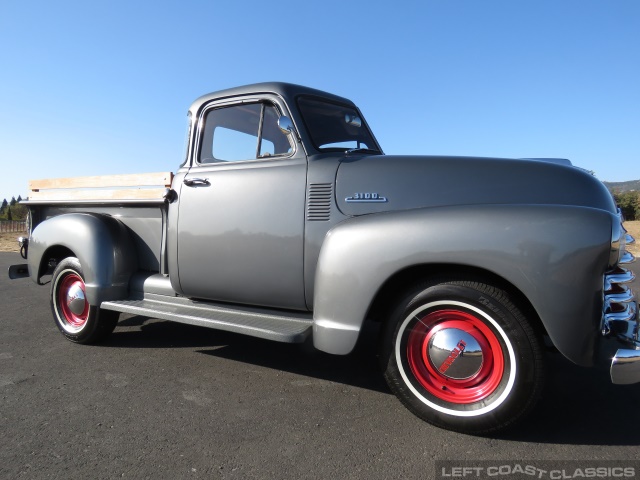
{"x": 634, "y": 229}
{"x": 8, "y": 241}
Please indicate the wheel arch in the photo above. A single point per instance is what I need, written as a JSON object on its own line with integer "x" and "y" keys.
{"x": 55, "y": 254}
{"x": 102, "y": 244}
{"x": 396, "y": 286}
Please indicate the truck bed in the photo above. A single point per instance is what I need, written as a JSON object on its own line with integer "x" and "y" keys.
{"x": 137, "y": 200}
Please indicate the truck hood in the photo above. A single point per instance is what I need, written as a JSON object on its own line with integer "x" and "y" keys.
{"x": 380, "y": 183}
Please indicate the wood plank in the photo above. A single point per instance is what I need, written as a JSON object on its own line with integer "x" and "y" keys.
{"x": 99, "y": 194}
{"x": 126, "y": 180}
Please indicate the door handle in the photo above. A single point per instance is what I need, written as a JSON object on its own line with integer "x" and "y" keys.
{"x": 194, "y": 182}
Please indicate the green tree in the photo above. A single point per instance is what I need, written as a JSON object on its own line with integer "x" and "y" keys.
{"x": 629, "y": 203}
{"x": 3, "y": 207}
{"x": 12, "y": 202}
{"x": 19, "y": 212}
{"x": 19, "y": 199}
{"x": 632, "y": 206}
{"x": 9, "y": 216}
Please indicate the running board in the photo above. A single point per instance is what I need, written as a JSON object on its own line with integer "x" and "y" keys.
{"x": 287, "y": 327}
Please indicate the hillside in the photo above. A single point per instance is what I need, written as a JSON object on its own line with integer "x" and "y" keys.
{"x": 621, "y": 187}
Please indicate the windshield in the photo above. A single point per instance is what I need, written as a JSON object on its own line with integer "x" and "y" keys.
{"x": 335, "y": 127}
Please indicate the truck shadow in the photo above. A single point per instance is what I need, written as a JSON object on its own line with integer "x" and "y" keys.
{"x": 358, "y": 369}
{"x": 580, "y": 405}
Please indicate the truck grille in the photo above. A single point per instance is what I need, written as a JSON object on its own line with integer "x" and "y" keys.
{"x": 619, "y": 306}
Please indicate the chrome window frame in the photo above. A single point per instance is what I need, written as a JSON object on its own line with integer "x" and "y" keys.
{"x": 278, "y": 104}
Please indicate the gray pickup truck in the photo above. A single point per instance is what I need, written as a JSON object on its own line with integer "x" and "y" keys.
{"x": 287, "y": 221}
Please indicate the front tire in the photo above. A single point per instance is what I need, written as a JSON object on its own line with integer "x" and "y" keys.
{"x": 78, "y": 321}
{"x": 461, "y": 356}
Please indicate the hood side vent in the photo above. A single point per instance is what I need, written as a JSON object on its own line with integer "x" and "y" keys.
{"x": 319, "y": 203}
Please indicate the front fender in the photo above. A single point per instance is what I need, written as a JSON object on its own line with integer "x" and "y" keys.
{"x": 555, "y": 255}
{"x": 101, "y": 243}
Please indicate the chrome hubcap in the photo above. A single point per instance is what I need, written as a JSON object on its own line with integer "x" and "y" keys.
{"x": 455, "y": 353}
{"x": 75, "y": 299}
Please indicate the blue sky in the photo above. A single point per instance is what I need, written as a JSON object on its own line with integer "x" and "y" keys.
{"x": 91, "y": 88}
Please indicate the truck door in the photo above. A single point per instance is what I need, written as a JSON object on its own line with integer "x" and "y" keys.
{"x": 241, "y": 209}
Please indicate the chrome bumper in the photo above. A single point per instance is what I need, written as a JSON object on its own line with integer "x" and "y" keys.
{"x": 625, "y": 367}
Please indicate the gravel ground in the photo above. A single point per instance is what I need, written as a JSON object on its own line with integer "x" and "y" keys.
{"x": 162, "y": 400}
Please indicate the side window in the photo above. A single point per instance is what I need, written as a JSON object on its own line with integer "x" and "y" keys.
{"x": 242, "y": 132}
{"x": 274, "y": 142}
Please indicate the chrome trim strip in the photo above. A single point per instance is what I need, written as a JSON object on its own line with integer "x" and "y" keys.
{"x": 617, "y": 277}
{"x": 625, "y": 296}
{"x": 366, "y": 198}
{"x": 627, "y": 258}
{"x": 623, "y": 325}
{"x": 626, "y": 315}
{"x": 377, "y": 200}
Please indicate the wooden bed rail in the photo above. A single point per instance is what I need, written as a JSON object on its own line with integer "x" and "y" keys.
{"x": 140, "y": 186}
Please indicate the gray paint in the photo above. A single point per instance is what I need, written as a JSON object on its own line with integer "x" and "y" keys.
{"x": 152, "y": 283}
{"x": 172, "y": 230}
{"x": 240, "y": 238}
{"x": 144, "y": 223}
{"x": 413, "y": 182}
{"x": 322, "y": 171}
{"x": 555, "y": 255}
{"x": 102, "y": 244}
{"x": 246, "y": 245}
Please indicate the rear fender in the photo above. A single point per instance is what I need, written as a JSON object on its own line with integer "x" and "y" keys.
{"x": 101, "y": 243}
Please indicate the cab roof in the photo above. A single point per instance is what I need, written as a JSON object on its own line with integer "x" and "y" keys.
{"x": 288, "y": 91}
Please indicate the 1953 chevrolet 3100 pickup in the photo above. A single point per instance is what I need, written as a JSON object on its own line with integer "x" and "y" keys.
{"x": 286, "y": 220}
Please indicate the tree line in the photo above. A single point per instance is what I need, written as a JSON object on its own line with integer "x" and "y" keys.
{"x": 629, "y": 203}
{"x": 13, "y": 210}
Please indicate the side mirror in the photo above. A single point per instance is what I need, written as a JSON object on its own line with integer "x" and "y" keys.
{"x": 285, "y": 125}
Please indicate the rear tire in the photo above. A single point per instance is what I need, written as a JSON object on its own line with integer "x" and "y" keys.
{"x": 78, "y": 321}
{"x": 461, "y": 356}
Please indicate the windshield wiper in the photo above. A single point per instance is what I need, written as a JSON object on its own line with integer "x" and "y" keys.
{"x": 361, "y": 150}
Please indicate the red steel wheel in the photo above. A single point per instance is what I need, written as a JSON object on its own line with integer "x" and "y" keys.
{"x": 461, "y": 355}
{"x": 76, "y": 319}
{"x": 455, "y": 356}
{"x": 72, "y": 300}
